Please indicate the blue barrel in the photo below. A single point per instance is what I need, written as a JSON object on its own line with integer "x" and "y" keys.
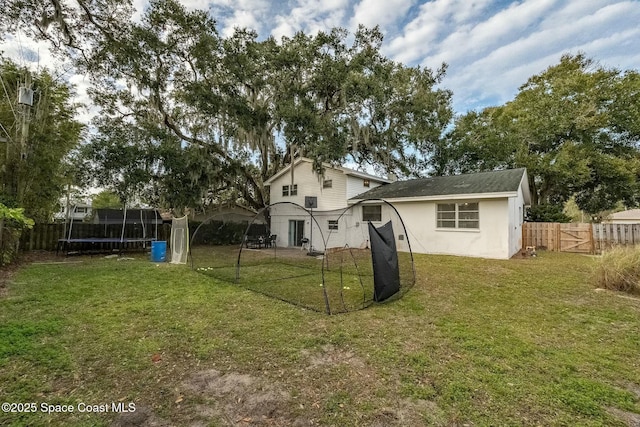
{"x": 159, "y": 251}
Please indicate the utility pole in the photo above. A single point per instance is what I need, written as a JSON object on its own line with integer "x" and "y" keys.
{"x": 25, "y": 101}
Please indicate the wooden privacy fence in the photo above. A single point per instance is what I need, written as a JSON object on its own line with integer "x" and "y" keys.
{"x": 579, "y": 237}
{"x": 609, "y": 235}
{"x": 45, "y": 236}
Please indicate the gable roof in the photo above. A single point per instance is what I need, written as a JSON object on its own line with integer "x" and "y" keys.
{"x": 489, "y": 184}
{"x": 344, "y": 170}
{"x": 628, "y": 214}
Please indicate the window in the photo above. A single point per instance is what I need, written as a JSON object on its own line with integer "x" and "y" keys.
{"x": 290, "y": 190}
{"x": 372, "y": 212}
{"x": 333, "y": 224}
{"x": 366, "y": 183}
{"x": 327, "y": 183}
{"x": 81, "y": 210}
{"x": 458, "y": 215}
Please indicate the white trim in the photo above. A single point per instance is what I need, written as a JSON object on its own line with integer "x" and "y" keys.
{"x": 457, "y": 230}
{"x": 342, "y": 169}
{"x": 526, "y": 192}
{"x": 364, "y": 175}
{"x": 439, "y": 197}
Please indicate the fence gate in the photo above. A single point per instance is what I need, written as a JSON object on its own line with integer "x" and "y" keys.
{"x": 576, "y": 238}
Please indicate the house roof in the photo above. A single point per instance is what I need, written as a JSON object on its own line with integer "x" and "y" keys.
{"x": 496, "y": 183}
{"x": 346, "y": 171}
{"x": 629, "y": 214}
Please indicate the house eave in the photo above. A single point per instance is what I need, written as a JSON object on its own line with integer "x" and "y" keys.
{"x": 364, "y": 175}
{"x": 342, "y": 169}
{"x": 466, "y": 196}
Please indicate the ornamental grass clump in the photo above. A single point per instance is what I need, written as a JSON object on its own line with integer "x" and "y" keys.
{"x": 619, "y": 269}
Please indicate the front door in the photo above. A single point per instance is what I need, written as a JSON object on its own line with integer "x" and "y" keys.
{"x": 296, "y": 232}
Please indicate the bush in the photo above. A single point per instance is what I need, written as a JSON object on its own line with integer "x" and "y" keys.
{"x": 619, "y": 270}
{"x": 218, "y": 233}
{"x": 547, "y": 213}
{"x": 12, "y": 222}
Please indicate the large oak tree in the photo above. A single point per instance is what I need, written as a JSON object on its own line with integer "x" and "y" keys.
{"x": 573, "y": 126}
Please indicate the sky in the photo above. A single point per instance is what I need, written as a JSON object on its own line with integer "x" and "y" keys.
{"x": 491, "y": 46}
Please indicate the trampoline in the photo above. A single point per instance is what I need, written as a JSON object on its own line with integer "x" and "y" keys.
{"x": 105, "y": 221}
{"x": 97, "y": 244}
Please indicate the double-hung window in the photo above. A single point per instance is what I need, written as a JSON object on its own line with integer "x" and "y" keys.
{"x": 458, "y": 215}
{"x": 333, "y": 224}
{"x": 290, "y": 190}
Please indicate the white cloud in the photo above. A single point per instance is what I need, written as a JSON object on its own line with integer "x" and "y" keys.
{"x": 232, "y": 14}
{"x": 487, "y": 66}
{"x": 82, "y": 84}
{"x": 434, "y": 20}
{"x": 374, "y": 12}
{"x": 311, "y": 17}
{"x": 475, "y": 41}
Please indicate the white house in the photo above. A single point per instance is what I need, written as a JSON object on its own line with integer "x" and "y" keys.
{"x": 332, "y": 192}
{"x": 478, "y": 214}
{"x": 78, "y": 212}
{"x": 631, "y": 216}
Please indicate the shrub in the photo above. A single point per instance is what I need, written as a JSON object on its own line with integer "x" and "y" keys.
{"x": 619, "y": 269}
{"x": 12, "y": 222}
{"x": 547, "y": 213}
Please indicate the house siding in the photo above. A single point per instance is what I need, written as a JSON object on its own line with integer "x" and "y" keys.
{"x": 500, "y": 227}
{"x": 355, "y": 186}
{"x": 621, "y": 221}
{"x": 491, "y": 240}
{"x": 310, "y": 184}
{"x": 516, "y": 212}
{"x": 352, "y": 230}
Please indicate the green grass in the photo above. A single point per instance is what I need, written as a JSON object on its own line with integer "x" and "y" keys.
{"x": 344, "y": 284}
{"x": 481, "y": 342}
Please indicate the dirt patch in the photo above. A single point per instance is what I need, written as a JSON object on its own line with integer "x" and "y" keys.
{"x": 409, "y": 413}
{"x": 239, "y": 399}
{"x": 630, "y": 418}
{"x": 142, "y": 417}
{"x": 633, "y": 388}
{"x": 333, "y": 356}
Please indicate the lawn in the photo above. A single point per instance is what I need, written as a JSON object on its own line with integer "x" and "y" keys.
{"x": 475, "y": 342}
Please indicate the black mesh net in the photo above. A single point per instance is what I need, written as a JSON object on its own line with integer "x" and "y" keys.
{"x": 320, "y": 260}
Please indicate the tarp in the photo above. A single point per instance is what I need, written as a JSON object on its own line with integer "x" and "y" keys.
{"x": 386, "y": 272}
